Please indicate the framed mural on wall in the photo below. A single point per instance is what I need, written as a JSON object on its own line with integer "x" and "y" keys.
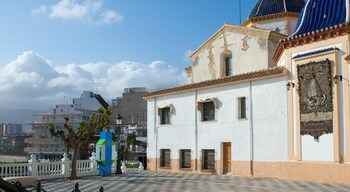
{"x": 315, "y": 98}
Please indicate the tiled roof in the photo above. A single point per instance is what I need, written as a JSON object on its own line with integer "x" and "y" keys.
{"x": 320, "y": 14}
{"x": 272, "y": 72}
{"x": 310, "y": 37}
{"x": 272, "y": 7}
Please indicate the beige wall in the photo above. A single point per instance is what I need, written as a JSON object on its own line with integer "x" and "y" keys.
{"x": 286, "y": 25}
{"x": 341, "y": 115}
{"x": 291, "y": 170}
{"x": 251, "y": 50}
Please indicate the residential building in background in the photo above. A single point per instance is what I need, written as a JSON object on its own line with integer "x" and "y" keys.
{"x": 42, "y": 143}
{"x": 12, "y": 139}
{"x": 132, "y": 108}
{"x": 11, "y": 129}
{"x": 13, "y": 145}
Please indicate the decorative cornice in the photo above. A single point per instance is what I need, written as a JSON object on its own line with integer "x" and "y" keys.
{"x": 310, "y": 37}
{"x": 252, "y": 76}
{"x": 271, "y": 16}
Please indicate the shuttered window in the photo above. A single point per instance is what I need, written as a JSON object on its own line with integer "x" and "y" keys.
{"x": 208, "y": 159}
{"x": 165, "y": 160}
{"x": 165, "y": 116}
{"x": 185, "y": 158}
{"x": 208, "y": 111}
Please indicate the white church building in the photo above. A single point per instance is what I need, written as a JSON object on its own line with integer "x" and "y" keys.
{"x": 269, "y": 98}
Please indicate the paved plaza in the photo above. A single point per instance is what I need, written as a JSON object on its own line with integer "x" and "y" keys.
{"x": 167, "y": 182}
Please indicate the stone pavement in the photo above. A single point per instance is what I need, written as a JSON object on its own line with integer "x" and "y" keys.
{"x": 168, "y": 182}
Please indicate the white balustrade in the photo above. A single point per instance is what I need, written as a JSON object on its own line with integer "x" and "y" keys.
{"x": 14, "y": 170}
{"x": 58, "y": 169}
{"x": 48, "y": 169}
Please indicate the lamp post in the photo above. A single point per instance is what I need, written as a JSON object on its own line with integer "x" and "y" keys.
{"x": 119, "y": 122}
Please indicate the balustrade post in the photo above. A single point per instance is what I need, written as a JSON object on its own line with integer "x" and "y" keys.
{"x": 141, "y": 168}
{"x": 124, "y": 168}
{"x": 33, "y": 165}
{"x": 114, "y": 161}
{"x": 65, "y": 165}
{"x": 93, "y": 163}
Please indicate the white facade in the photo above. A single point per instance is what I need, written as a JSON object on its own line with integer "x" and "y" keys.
{"x": 267, "y": 118}
{"x": 297, "y": 105}
{"x": 266, "y": 101}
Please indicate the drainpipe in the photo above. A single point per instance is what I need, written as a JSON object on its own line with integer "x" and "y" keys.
{"x": 196, "y": 129}
{"x": 251, "y": 125}
{"x": 156, "y": 130}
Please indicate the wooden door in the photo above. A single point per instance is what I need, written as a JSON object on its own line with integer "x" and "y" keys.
{"x": 226, "y": 158}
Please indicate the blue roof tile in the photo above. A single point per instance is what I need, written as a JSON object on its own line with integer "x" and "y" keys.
{"x": 320, "y": 14}
{"x": 269, "y": 7}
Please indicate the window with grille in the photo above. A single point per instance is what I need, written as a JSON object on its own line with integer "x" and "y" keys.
{"x": 185, "y": 158}
{"x": 228, "y": 66}
{"x": 242, "y": 108}
{"x": 164, "y": 116}
{"x": 165, "y": 160}
{"x": 208, "y": 159}
{"x": 208, "y": 111}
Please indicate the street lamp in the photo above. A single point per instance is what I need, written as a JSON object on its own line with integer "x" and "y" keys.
{"x": 119, "y": 122}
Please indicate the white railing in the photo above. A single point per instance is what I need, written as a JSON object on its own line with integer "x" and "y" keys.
{"x": 14, "y": 170}
{"x": 57, "y": 169}
{"x": 48, "y": 169}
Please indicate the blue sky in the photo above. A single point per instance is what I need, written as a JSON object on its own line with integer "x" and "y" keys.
{"x": 150, "y": 30}
{"x": 56, "y": 47}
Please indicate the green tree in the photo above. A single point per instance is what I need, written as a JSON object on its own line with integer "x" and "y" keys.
{"x": 130, "y": 141}
{"x": 76, "y": 137}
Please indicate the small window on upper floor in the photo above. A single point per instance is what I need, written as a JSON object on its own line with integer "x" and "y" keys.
{"x": 208, "y": 111}
{"x": 228, "y": 65}
{"x": 164, "y": 114}
{"x": 242, "y": 108}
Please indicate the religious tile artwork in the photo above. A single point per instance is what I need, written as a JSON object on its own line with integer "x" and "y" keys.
{"x": 316, "y": 102}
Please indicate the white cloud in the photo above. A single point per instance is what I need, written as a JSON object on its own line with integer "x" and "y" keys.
{"x": 32, "y": 81}
{"x": 82, "y": 10}
{"x": 111, "y": 16}
{"x": 188, "y": 55}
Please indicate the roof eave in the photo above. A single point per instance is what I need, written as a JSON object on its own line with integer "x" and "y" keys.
{"x": 242, "y": 78}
